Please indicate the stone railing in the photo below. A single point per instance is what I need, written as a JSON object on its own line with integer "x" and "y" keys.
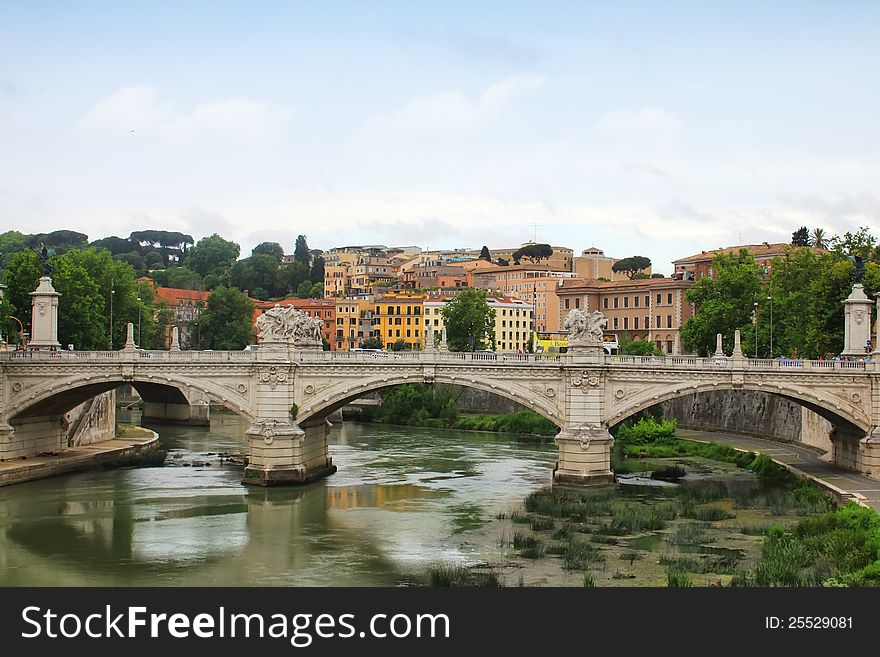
{"x": 484, "y": 358}
{"x": 128, "y": 356}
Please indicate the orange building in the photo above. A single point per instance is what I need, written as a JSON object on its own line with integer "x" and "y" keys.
{"x": 695, "y": 267}
{"x": 187, "y": 305}
{"x": 652, "y": 309}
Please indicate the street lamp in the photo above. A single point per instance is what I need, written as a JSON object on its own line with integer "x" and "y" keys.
{"x": 756, "y": 329}
{"x": 139, "y": 322}
{"x": 770, "y": 298}
{"x": 112, "y": 292}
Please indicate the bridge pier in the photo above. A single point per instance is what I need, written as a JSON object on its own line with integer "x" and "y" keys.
{"x": 198, "y": 415}
{"x": 283, "y": 453}
{"x": 584, "y": 456}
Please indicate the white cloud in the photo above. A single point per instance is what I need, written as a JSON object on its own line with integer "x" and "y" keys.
{"x": 236, "y": 121}
{"x": 130, "y": 108}
{"x": 646, "y": 128}
{"x": 448, "y": 114}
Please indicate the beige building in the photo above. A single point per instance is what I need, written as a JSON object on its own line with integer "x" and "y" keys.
{"x": 561, "y": 260}
{"x": 699, "y": 265}
{"x": 592, "y": 264}
{"x": 652, "y": 309}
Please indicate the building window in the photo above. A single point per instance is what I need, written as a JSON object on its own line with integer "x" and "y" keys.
{"x": 396, "y": 333}
{"x": 636, "y": 320}
{"x": 647, "y": 321}
{"x": 647, "y": 301}
{"x": 669, "y": 298}
{"x": 625, "y": 323}
{"x": 659, "y": 298}
{"x": 636, "y": 301}
{"x": 577, "y": 302}
{"x": 615, "y": 302}
{"x": 566, "y": 303}
{"x": 669, "y": 346}
{"x": 615, "y": 323}
{"x": 626, "y": 302}
{"x": 658, "y": 324}
{"x": 668, "y": 321}
{"x": 605, "y": 303}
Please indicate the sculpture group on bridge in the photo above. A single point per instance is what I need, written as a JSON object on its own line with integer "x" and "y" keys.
{"x": 585, "y": 328}
{"x": 286, "y": 324}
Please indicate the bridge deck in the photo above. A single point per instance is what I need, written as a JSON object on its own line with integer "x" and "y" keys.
{"x": 391, "y": 358}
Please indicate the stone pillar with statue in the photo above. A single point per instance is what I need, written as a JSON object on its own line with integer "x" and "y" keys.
{"x": 585, "y": 442}
{"x": 44, "y": 316}
{"x": 857, "y": 316}
{"x": 280, "y": 450}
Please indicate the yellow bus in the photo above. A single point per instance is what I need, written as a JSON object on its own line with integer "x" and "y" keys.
{"x": 546, "y": 342}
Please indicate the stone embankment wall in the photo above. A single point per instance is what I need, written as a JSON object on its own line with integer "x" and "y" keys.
{"x": 473, "y": 400}
{"x": 91, "y": 422}
{"x": 753, "y": 413}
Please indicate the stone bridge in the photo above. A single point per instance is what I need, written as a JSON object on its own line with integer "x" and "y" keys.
{"x": 287, "y": 394}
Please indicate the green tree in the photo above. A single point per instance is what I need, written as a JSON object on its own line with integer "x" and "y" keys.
{"x": 819, "y": 239}
{"x": 861, "y": 243}
{"x": 117, "y": 245}
{"x": 469, "y": 321}
{"x": 111, "y": 277}
{"x": 21, "y": 277}
{"x": 534, "y": 252}
{"x": 11, "y": 242}
{"x": 212, "y": 255}
{"x": 227, "y": 322}
{"x": 9, "y": 328}
{"x": 181, "y": 278}
{"x": 304, "y": 290}
{"x": 82, "y": 321}
{"x": 372, "y": 342}
{"x": 484, "y": 254}
{"x": 631, "y": 266}
{"x": 289, "y": 278}
{"x": 273, "y": 249}
{"x": 301, "y": 250}
{"x": 630, "y": 347}
{"x": 316, "y": 274}
{"x": 258, "y": 271}
{"x": 724, "y": 303}
{"x": 801, "y": 237}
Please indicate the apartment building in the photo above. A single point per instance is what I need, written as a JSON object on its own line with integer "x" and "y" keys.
{"x": 652, "y": 309}
{"x": 399, "y": 317}
{"x": 513, "y": 321}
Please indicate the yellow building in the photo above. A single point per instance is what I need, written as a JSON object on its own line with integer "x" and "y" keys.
{"x": 513, "y": 321}
{"x": 399, "y": 317}
{"x": 354, "y": 323}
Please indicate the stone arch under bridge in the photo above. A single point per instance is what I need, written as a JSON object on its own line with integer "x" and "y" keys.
{"x": 321, "y": 403}
{"x": 848, "y": 417}
{"x": 55, "y": 396}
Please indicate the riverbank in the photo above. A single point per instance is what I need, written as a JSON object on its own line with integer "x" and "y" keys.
{"x": 132, "y": 443}
{"x": 435, "y": 407}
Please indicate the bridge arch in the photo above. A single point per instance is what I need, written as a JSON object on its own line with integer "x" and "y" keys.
{"x": 61, "y": 395}
{"x": 327, "y": 401}
{"x": 844, "y": 415}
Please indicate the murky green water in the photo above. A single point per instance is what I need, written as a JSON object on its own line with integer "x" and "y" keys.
{"x": 403, "y": 498}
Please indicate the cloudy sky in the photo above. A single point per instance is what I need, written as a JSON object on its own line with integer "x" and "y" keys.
{"x": 649, "y": 128}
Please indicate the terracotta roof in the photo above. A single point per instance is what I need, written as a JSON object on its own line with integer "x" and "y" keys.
{"x": 610, "y": 286}
{"x": 173, "y": 296}
{"x": 764, "y": 250}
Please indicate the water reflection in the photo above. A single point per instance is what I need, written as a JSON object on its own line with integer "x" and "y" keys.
{"x": 402, "y": 497}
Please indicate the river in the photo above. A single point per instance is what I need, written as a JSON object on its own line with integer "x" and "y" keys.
{"x": 403, "y": 498}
